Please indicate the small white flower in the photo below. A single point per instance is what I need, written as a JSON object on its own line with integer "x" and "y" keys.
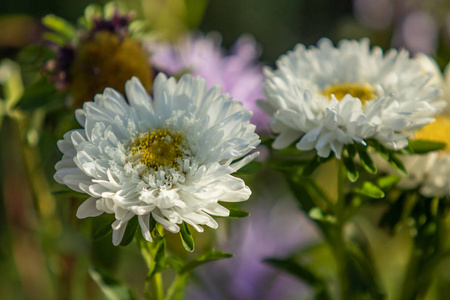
{"x": 170, "y": 158}
{"x": 327, "y": 97}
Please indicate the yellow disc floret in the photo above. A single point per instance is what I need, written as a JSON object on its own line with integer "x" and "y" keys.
{"x": 159, "y": 148}
{"x": 362, "y": 91}
{"x": 438, "y": 131}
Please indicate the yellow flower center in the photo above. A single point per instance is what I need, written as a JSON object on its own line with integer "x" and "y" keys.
{"x": 159, "y": 148}
{"x": 362, "y": 91}
{"x": 438, "y": 131}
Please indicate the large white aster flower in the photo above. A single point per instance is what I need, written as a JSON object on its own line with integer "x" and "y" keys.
{"x": 170, "y": 158}
{"x": 430, "y": 173}
{"x": 326, "y": 97}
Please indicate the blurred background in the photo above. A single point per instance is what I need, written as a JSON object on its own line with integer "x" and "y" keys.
{"x": 45, "y": 251}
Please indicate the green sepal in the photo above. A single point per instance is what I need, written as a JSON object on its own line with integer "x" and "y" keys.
{"x": 351, "y": 169}
{"x": 370, "y": 190}
{"x": 425, "y": 146}
{"x": 130, "y": 231}
{"x": 207, "y": 257}
{"x": 111, "y": 288}
{"x": 366, "y": 162}
{"x": 186, "y": 238}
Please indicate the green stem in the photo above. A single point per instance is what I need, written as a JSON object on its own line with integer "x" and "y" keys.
{"x": 339, "y": 239}
{"x": 158, "y": 290}
{"x": 409, "y": 290}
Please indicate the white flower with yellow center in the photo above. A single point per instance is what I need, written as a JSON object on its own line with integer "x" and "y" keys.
{"x": 170, "y": 158}
{"x": 326, "y": 97}
{"x": 430, "y": 172}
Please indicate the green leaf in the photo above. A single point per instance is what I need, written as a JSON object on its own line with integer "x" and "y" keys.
{"x": 387, "y": 182}
{"x": 396, "y": 162}
{"x": 55, "y": 38}
{"x": 366, "y": 162}
{"x": 236, "y": 213}
{"x": 111, "y": 288}
{"x": 379, "y": 148}
{"x": 186, "y": 237}
{"x": 425, "y": 146}
{"x": 39, "y": 94}
{"x": 195, "y": 11}
{"x": 59, "y": 25}
{"x": 207, "y": 257}
{"x": 317, "y": 214}
{"x": 351, "y": 149}
{"x": 292, "y": 267}
{"x": 352, "y": 171}
{"x": 251, "y": 168}
{"x": 130, "y": 231}
{"x": 311, "y": 166}
{"x": 159, "y": 261}
{"x": 370, "y": 190}
{"x": 102, "y": 231}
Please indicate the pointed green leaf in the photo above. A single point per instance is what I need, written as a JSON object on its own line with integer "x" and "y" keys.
{"x": 317, "y": 214}
{"x": 370, "y": 190}
{"x": 236, "y": 213}
{"x": 111, "y": 288}
{"x": 59, "y": 25}
{"x": 101, "y": 231}
{"x": 351, "y": 149}
{"x": 425, "y": 146}
{"x": 251, "y": 168}
{"x": 351, "y": 170}
{"x": 396, "y": 162}
{"x": 186, "y": 237}
{"x": 366, "y": 162}
{"x": 130, "y": 231}
{"x": 387, "y": 182}
{"x": 210, "y": 256}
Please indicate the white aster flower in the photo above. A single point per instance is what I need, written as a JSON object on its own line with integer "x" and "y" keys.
{"x": 430, "y": 172}
{"x": 170, "y": 158}
{"x": 327, "y": 97}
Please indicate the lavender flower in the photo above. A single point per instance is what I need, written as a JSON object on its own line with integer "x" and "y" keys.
{"x": 237, "y": 72}
{"x": 275, "y": 229}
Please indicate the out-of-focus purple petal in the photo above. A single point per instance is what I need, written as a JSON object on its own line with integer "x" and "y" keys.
{"x": 238, "y": 73}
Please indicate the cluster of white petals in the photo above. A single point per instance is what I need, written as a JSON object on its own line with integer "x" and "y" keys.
{"x": 430, "y": 173}
{"x": 98, "y": 159}
{"x": 401, "y": 97}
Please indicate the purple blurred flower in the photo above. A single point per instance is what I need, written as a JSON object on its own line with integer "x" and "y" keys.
{"x": 416, "y": 24}
{"x": 238, "y": 72}
{"x": 274, "y": 229}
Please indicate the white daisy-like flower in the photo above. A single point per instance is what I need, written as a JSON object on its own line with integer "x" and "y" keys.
{"x": 430, "y": 172}
{"x": 170, "y": 158}
{"x": 326, "y": 97}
